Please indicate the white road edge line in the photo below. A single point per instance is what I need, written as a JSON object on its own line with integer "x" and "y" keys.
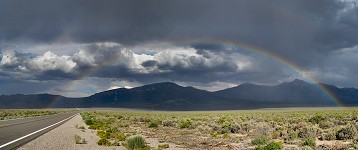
{"x": 6, "y": 144}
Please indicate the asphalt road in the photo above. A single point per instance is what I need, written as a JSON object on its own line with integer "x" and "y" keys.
{"x": 14, "y": 133}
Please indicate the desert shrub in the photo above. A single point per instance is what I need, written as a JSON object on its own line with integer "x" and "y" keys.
{"x": 215, "y": 127}
{"x": 292, "y": 136}
{"x": 310, "y": 142}
{"x": 213, "y": 134}
{"x": 245, "y": 126}
{"x": 136, "y": 142}
{"x": 259, "y": 140}
{"x": 163, "y": 146}
{"x": 355, "y": 141}
{"x": 349, "y": 132}
{"x": 103, "y": 141}
{"x": 185, "y": 124}
{"x": 89, "y": 121}
{"x": 276, "y": 135}
{"x": 153, "y": 125}
{"x": 262, "y": 128}
{"x": 119, "y": 116}
{"x": 225, "y": 135}
{"x": 142, "y": 119}
{"x": 94, "y": 126}
{"x": 307, "y": 132}
{"x": 328, "y": 136}
{"x": 316, "y": 119}
{"x": 326, "y": 124}
{"x": 169, "y": 123}
{"x": 235, "y": 128}
{"x": 307, "y": 148}
{"x": 274, "y": 146}
{"x": 260, "y": 147}
{"x": 80, "y": 140}
{"x": 102, "y": 134}
{"x": 203, "y": 128}
{"x": 121, "y": 137}
{"x": 222, "y": 120}
{"x": 225, "y": 127}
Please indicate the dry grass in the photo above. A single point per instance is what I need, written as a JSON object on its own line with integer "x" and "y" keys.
{"x": 329, "y": 128}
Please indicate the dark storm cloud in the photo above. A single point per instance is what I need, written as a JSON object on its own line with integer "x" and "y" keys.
{"x": 16, "y": 86}
{"x": 308, "y": 33}
{"x": 283, "y": 26}
{"x": 149, "y": 63}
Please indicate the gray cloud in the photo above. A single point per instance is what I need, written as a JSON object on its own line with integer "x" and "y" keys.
{"x": 112, "y": 60}
{"x": 282, "y": 26}
{"x": 63, "y": 40}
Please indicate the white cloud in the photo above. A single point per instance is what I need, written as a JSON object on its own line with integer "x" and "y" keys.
{"x": 121, "y": 61}
{"x": 51, "y": 61}
{"x": 9, "y": 58}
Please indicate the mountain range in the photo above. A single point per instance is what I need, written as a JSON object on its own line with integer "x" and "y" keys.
{"x": 170, "y": 96}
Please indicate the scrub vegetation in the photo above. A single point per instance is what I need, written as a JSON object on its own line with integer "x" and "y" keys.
{"x": 13, "y": 114}
{"x": 326, "y": 128}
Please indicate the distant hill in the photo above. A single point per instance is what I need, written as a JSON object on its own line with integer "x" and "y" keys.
{"x": 170, "y": 96}
{"x": 165, "y": 96}
{"x": 296, "y": 92}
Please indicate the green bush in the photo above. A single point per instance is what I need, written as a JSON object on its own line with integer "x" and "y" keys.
{"x": 310, "y": 142}
{"x": 235, "y": 128}
{"x": 260, "y": 148}
{"x": 153, "y": 125}
{"x": 213, "y": 134}
{"x": 225, "y": 135}
{"x": 80, "y": 140}
{"x": 316, "y": 119}
{"x": 307, "y": 132}
{"x": 259, "y": 140}
{"x": 326, "y": 125}
{"x": 355, "y": 141}
{"x": 271, "y": 146}
{"x": 169, "y": 123}
{"x": 104, "y": 142}
{"x": 328, "y": 136}
{"x": 274, "y": 146}
{"x": 185, "y": 124}
{"x": 307, "y": 148}
{"x": 89, "y": 121}
{"x": 102, "y": 134}
{"x": 225, "y": 127}
{"x": 349, "y": 132}
{"x": 163, "y": 146}
{"x": 292, "y": 136}
{"x": 121, "y": 137}
{"x": 136, "y": 143}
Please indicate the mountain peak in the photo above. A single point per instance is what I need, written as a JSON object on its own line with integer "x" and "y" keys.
{"x": 246, "y": 85}
{"x": 164, "y": 84}
{"x": 296, "y": 82}
{"x": 159, "y": 85}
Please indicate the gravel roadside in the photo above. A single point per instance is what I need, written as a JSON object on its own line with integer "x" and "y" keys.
{"x": 62, "y": 138}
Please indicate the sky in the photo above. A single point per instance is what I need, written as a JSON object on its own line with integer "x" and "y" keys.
{"x": 76, "y": 48}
